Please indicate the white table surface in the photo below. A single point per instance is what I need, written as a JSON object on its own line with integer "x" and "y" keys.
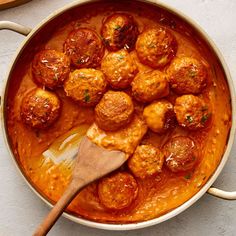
{"x": 21, "y": 210}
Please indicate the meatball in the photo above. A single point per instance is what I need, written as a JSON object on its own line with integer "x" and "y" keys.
{"x": 146, "y": 161}
{"x": 192, "y": 112}
{"x": 180, "y": 154}
{"x": 84, "y": 47}
{"x": 120, "y": 31}
{"x": 150, "y": 86}
{"x": 119, "y": 69}
{"x": 85, "y": 86}
{"x": 40, "y": 108}
{"x": 117, "y": 191}
{"x": 160, "y": 116}
{"x": 50, "y": 68}
{"x": 114, "y": 111}
{"x": 187, "y": 75}
{"x": 156, "y": 47}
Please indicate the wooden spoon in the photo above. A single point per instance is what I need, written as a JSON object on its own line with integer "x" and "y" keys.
{"x": 92, "y": 163}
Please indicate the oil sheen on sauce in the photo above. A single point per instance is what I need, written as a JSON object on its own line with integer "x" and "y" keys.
{"x": 157, "y": 195}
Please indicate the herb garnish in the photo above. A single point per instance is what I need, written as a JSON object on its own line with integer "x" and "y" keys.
{"x": 192, "y": 73}
{"x": 188, "y": 176}
{"x": 86, "y": 95}
{"x": 189, "y": 118}
{"x": 117, "y": 27}
{"x": 120, "y": 57}
{"x": 151, "y": 45}
{"x": 204, "y": 118}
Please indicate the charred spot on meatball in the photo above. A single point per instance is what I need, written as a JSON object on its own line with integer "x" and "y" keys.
{"x": 117, "y": 191}
{"x": 84, "y": 47}
{"x": 180, "y": 154}
{"x": 192, "y": 112}
{"x": 85, "y": 86}
{"x": 40, "y": 109}
{"x": 119, "y": 31}
{"x": 50, "y": 68}
{"x": 114, "y": 111}
{"x": 146, "y": 161}
{"x": 156, "y": 47}
{"x": 187, "y": 75}
{"x": 149, "y": 86}
{"x": 119, "y": 69}
{"x": 160, "y": 116}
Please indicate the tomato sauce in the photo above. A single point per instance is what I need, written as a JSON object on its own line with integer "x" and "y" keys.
{"x": 157, "y": 195}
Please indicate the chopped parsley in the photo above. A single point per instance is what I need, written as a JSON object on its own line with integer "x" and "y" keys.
{"x": 189, "y": 118}
{"x": 192, "y": 73}
{"x": 86, "y": 95}
{"x": 82, "y": 76}
{"x": 151, "y": 45}
{"x": 120, "y": 57}
{"x": 188, "y": 176}
{"x": 204, "y": 118}
{"x": 117, "y": 27}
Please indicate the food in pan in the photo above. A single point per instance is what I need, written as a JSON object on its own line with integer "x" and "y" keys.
{"x": 156, "y": 47}
{"x": 160, "y": 116}
{"x": 119, "y": 31}
{"x": 145, "y": 83}
{"x": 84, "y": 47}
{"x": 187, "y": 75}
{"x": 181, "y": 153}
{"x": 117, "y": 191}
{"x": 146, "y": 161}
{"x": 119, "y": 69}
{"x": 40, "y": 108}
{"x": 85, "y": 86}
{"x": 114, "y": 111}
{"x": 50, "y": 68}
{"x": 192, "y": 112}
{"x": 125, "y": 139}
{"x": 150, "y": 86}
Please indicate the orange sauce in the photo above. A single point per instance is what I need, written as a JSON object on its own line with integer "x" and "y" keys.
{"x": 157, "y": 195}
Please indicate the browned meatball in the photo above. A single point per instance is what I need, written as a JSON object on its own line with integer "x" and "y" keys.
{"x": 159, "y": 116}
{"x": 150, "y": 86}
{"x": 180, "y": 153}
{"x": 120, "y": 31}
{"x": 187, "y": 75}
{"x": 114, "y": 111}
{"x": 84, "y": 47}
{"x": 146, "y": 161}
{"x": 50, "y": 68}
{"x": 156, "y": 47}
{"x": 40, "y": 108}
{"x": 192, "y": 112}
{"x": 119, "y": 69}
{"x": 85, "y": 86}
{"x": 117, "y": 191}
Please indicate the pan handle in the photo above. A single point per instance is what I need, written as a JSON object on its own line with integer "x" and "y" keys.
{"x": 15, "y": 27}
{"x": 222, "y": 194}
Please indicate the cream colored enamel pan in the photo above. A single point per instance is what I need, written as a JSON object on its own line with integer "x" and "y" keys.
{"x": 206, "y": 188}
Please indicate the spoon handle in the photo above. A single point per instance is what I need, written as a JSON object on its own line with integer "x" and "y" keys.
{"x": 58, "y": 209}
